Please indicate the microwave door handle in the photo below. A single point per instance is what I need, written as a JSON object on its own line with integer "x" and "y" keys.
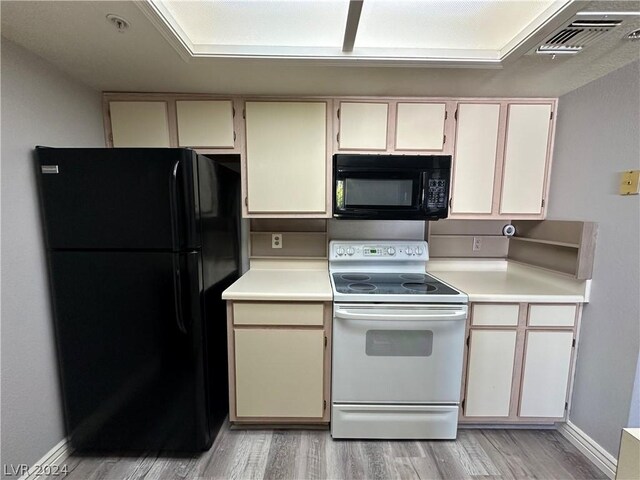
{"x": 440, "y": 316}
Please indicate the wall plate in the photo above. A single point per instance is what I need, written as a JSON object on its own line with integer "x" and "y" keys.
{"x": 629, "y": 182}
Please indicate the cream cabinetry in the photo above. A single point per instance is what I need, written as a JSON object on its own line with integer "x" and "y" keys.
{"x": 475, "y": 158}
{"x": 400, "y": 126}
{"x": 547, "y": 360}
{"x": 286, "y": 162}
{"x": 139, "y": 124}
{"x": 518, "y": 370}
{"x": 279, "y": 361}
{"x": 204, "y": 122}
{"x": 502, "y": 159}
{"x": 490, "y": 373}
{"x": 363, "y": 126}
{"x": 525, "y": 158}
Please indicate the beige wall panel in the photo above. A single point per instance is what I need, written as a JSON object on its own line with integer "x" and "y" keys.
{"x": 525, "y": 161}
{"x": 279, "y": 373}
{"x": 286, "y": 156}
{"x": 546, "y": 374}
{"x": 420, "y": 126}
{"x": 363, "y": 126}
{"x": 139, "y": 124}
{"x": 288, "y": 225}
{"x": 475, "y": 158}
{"x": 491, "y": 314}
{"x": 205, "y": 123}
{"x": 490, "y": 373}
{"x": 552, "y": 315}
{"x": 261, "y": 313}
{"x": 461, "y": 246}
{"x": 467, "y": 227}
{"x": 293, "y": 244}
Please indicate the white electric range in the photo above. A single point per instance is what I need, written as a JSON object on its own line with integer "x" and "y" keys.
{"x": 398, "y": 343}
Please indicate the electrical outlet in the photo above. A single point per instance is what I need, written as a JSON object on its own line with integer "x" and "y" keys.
{"x": 276, "y": 240}
{"x": 477, "y": 244}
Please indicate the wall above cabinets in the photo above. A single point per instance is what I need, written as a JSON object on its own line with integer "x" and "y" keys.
{"x": 501, "y": 148}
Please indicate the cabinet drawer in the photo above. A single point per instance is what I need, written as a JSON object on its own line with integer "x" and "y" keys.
{"x": 491, "y": 314}
{"x": 258, "y": 313}
{"x": 552, "y": 315}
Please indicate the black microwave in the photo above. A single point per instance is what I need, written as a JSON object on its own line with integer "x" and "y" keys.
{"x": 391, "y": 187}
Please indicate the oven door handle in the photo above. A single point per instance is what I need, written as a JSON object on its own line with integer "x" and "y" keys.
{"x": 430, "y": 316}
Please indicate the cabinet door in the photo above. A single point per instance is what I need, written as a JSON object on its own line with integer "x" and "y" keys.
{"x": 475, "y": 158}
{"x": 490, "y": 373}
{"x": 286, "y": 157}
{"x": 363, "y": 126}
{"x": 279, "y": 372}
{"x": 546, "y": 373}
{"x": 525, "y": 158}
{"x": 139, "y": 124}
{"x": 205, "y": 123}
{"x": 420, "y": 126}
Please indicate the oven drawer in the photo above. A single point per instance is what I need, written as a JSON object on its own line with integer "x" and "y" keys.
{"x": 394, "y": 421}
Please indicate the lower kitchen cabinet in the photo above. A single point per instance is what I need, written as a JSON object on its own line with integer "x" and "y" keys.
{"x": 545, "y": 377}
{"x": 520, "y": 370}
{"x": 279, "y": 362}
{"x": 490, "y": 373}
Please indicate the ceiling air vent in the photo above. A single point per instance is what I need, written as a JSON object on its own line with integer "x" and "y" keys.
{"x": 579, "y": 34}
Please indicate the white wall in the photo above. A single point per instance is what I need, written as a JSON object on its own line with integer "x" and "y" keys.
{"x": 597, "y": 137}
{"x": 40, "y": 106}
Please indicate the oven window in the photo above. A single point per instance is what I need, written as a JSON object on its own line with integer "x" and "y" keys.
{"x": 399, "y": 343}
{"x": 368, "y": 192}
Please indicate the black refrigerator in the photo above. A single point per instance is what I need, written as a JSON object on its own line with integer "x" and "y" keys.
{"x": 141, "y": 243}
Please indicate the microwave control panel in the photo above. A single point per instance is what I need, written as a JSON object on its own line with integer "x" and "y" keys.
{"x": 436, "y": 193}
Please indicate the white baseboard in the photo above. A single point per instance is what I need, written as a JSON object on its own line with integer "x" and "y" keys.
{"x": 54, "y": 457}
{"x": 589, "y": 448}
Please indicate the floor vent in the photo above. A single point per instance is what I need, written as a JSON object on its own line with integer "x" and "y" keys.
{"x": 576, "y": 36}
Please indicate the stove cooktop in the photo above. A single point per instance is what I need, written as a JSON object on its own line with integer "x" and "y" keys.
{"x": 390, "y": 284}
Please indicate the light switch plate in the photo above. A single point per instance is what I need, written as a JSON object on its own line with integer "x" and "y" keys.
{"x": 629, "y": 182}
{"x": 276, "y": 240}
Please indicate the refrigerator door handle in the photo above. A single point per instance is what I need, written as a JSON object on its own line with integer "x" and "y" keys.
{"x": 173, "y": 185}
{"x": 177, "y": 294}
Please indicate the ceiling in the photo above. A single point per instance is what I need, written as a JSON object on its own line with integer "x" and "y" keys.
{"x": 76, "y": 37}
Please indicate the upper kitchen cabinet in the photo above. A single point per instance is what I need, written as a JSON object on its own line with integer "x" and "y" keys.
{"x": 287, "y": 159}
{"x": 526, "y": 156}
{"x": 502, "y": 159}
{"x": 139, "y": 124}
{"x": 363, "y": 126}
{"x": 392, "y": 126}
{"x": 204, "y": 122}
{"x": 476, "y": 151}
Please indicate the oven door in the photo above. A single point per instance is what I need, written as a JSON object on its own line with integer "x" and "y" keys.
{"x": 398, "y": 354}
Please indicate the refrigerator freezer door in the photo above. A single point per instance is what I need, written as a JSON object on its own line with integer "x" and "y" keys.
{"x": 119, "y": 198}
{"x": 131, "y": 344}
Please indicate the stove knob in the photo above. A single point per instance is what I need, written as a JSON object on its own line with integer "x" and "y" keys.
{"x": 418, "y": 251}
{"x": 340, "y": 251}
{"x": 391, "y": 251}
{"x": 409, "y": 251}
{"x": 350, "y": 251}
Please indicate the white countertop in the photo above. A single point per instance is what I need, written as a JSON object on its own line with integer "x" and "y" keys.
{"x": 281, "y": 284}
{"x": 481, "y": 280}
{"x": 502, "y": 281}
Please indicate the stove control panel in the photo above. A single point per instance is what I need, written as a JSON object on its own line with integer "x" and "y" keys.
{"x": 384, "y": 250}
